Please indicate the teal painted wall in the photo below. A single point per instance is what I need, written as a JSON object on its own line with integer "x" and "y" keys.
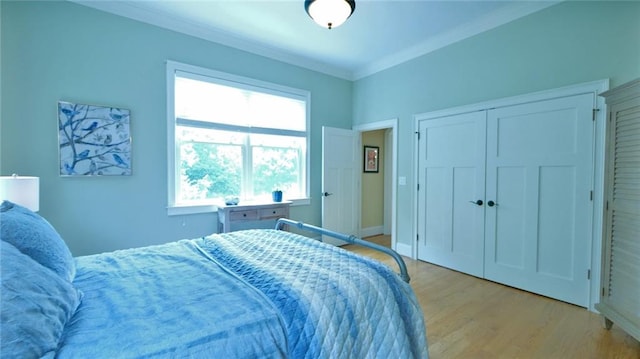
{"x": 569, "y": 43}
{"x": 55, "y": 51}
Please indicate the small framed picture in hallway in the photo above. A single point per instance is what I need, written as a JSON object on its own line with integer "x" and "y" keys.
{"x": 371, "y": 158}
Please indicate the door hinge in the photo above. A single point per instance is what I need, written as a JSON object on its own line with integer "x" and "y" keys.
{"x": 595, "y": 111}
{"x": 590, "y": 195}
{"x": 418, "y": 133}
{"x": 417, "y": 238}
{"x": 607, "y": 206}
{"x": 602, "y": 292}
{"x": 589, "y": 274}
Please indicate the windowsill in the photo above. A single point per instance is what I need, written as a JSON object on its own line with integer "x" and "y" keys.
{"x": 210, "y": 208}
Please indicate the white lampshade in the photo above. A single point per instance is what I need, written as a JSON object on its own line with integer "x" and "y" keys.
{"x": 21, "y": 190}
{"x": 330, "y": 13}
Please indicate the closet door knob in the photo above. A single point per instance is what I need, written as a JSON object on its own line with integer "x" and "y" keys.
{"x": 478, "y": 202}
{"x": 491, "y": 204}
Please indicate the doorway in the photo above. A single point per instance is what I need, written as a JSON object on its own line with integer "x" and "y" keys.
{"x": 385, "y": 135}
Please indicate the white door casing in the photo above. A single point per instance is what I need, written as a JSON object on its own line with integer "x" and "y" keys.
{"x": 391, "y": 168}
{"x": 340, "y": 182}
{"x": 388, "y": 180}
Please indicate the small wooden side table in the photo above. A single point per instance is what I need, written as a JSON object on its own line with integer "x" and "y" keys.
{"x": 230, "y": 214}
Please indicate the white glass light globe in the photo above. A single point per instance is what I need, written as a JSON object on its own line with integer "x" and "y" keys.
{"x": 329, "y": 13}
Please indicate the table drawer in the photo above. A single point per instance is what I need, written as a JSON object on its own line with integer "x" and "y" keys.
{"x": 273, "y": 212}
{"x": 242, "y": 215}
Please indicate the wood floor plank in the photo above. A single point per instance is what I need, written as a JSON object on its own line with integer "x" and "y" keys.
{"x": 469, "y": 317}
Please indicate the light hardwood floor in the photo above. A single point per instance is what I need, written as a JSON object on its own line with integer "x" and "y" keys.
{"x": 468, "y": 317}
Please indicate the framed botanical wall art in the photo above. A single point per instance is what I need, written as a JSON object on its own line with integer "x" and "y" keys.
{"x": 371, "y": 158}
{"x": 93, "y": 140}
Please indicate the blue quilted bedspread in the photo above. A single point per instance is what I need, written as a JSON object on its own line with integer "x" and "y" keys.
{"x": 247, "y": 294}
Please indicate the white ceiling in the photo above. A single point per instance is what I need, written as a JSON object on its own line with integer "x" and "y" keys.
{"x": 379, "y": 34}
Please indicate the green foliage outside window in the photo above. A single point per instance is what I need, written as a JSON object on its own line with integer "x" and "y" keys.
{"x": 275, "y": 168}
{"x": 214, "y": 171}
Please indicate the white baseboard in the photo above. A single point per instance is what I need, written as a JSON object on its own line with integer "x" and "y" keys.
{"x": 404, "y": 249}
{"x": 371, "y": 231}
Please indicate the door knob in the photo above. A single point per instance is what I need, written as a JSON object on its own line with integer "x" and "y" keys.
{"x": 326, "y": 194}
{"x": 478, "y": 202}
{"x": 491, "y": 204}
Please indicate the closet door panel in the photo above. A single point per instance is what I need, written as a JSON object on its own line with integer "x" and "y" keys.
{"x": 540, "y": 173}
{"x": 451, "y": 179}
{"x": 556, "y": 221}
{"x": 437, "y": 211}
{"x": 465, "y": 238}
{"x": 511, "y": 234}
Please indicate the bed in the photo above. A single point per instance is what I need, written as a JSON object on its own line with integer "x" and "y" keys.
{"x": 248, "y": 294}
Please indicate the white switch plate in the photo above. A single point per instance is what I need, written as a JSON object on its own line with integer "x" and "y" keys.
{"x": 402, "y": 181}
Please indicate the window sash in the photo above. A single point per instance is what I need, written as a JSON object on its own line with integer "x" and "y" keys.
{"x": 247, "y": 166}
{"x": 256, "y": 87}
{"x": 234, "y": 128}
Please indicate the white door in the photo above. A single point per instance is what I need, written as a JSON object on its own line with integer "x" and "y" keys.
{"x": 451, "y": 165}
{"x": 539, "y": 175}
{"x": 340, "y": 182}
{"x": 388, "y": 181}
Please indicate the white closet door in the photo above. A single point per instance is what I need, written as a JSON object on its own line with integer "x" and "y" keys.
{"x": 451, "y": 176}
{"x": 540, "y": 173}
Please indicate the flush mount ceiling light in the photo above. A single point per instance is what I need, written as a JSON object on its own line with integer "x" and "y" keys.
{"x": 329, "y": 13}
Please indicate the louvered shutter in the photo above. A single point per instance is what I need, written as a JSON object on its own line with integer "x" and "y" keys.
{"x": 620, "y": 300}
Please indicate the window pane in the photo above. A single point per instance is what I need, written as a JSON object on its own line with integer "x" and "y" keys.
{"x": 195, "y": 134}
{"x": 206, "y": 101}
{"x": 278, "y": 163}
{"x": 271, "y": 111}
{"x": 209, "y": 171}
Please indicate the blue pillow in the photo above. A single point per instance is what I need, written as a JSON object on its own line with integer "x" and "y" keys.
{"x": 35, "y": 237}
{"x": 36, "y": 305}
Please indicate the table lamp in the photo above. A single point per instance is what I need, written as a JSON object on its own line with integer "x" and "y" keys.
{"x": 21, "y": 190}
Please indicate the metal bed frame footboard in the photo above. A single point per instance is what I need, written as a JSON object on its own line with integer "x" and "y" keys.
{"x": 351, "y": 239}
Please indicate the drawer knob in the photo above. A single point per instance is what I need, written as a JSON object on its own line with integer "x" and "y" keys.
{"x": 244, "y": 214}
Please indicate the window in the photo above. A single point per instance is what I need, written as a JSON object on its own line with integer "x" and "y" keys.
{"x": 231, "y": 136}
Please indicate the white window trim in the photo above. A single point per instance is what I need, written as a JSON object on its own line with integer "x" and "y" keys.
{"x": 201, "y": 73}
